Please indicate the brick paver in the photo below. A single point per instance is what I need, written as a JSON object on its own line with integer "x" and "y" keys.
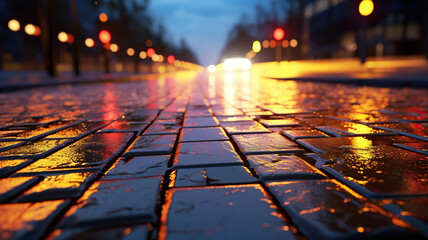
{"x": 229, "y": 158}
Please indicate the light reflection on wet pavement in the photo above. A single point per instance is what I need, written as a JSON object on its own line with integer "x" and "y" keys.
{"x": 230, "y": 155}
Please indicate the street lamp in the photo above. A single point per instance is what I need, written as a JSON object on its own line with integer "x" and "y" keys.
{"x": 257, "y": 46}
{"x": 278, "y": 35}
{"x": 105, "y": 38}
{"x": 365, "y": 8}
{"x": 14, "y": 25}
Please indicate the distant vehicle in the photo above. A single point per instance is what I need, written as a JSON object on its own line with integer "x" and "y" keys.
{"x": 237, "y": 64}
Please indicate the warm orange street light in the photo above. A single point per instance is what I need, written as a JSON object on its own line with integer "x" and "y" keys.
{"x": 89, "y": 42}
{"x": 293, "y": 43}
{"x": 104, "y": 36}
{"x": 143, "y": 55}
{"x": 366, "y": 7}
{"x": 103, "y": 17}
{"x": 13, "y": 25}
{"x": 114, "y": 47}
{"x": 130, "y": 52}
{"x": 257, "y": 46}
{"x": 62, "y": 37}
{"x": 30, "y": 29}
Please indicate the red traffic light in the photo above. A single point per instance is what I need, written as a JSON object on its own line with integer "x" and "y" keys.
{"x": 150, "y": 52}
{"x": 170, "y": 59}
{"x": 104, "y": 36}
{"x": 278, "y": 34}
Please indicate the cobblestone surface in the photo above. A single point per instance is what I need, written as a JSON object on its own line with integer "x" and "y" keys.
{"x": 227, "y": 156}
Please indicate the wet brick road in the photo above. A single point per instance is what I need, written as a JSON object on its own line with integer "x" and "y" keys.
{"x": 229, "y": 156}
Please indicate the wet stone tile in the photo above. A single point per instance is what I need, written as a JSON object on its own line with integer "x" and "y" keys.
{"x": 203, "y": 134}
{"x": 170, "y": 122}
{"x": 319, "y": 121}
{"x": 140, "y": 232}
{"x": 143, "y": 115}
{"x": 114, "y": 203}
{"x": 228, "y": 111}
{"x": 144, "y": 166}
{"x": 54, "y": 187}
{"x": 77, "y": 130}
{"x": 30, "y": 149}
{"x": 303, "y": 133}
{"x": 239, "y": 118}
{"x": 247, "y": 127}
{"x": 273, "y": 167}
{"x": 152, "y": 145}
{"x": 279, "y": 122}
{"x": 42, "y": 131}
{"x": 265, "y": 143}
{"x": 5, "y": 145}
{"x": 196, "y": 113}
{"x": 88, "y": 154}
{"x": 205, "y": 154}
{"x": 382, "y": 170}
{"x": 170, "y": 115}
{"x": 232, "y": 212}
{"x": 259, "y": 114}
{"x": 351, "y": 129}
{"x": 200, "y": 122}
{"x": 159, "y": 129}
{"x": 414, "y": 130}
{"x": 195, "y": 177}
{"x": 421, "y": 148}
{"x": 325, "y": 209}
{"x": 290, "y": 111}
{"x": 28, "y": 220}
{"x": 9, "y": 166}
{"x": 124, "y": 126}
{"x": 10, "y": 187}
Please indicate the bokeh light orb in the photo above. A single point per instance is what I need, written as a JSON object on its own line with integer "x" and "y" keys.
{"x": 130, "y": 52}
{"x": 150, "y": 52}
{"x": 89, "y": 42}
{"x": 62, "y": 37}
{"x": 293, "y": 43}
{"x": 14, "y": 25}
{"x": 211, "y": 68}
{"x": 104, "y": 36}
{"x": 257, "y": 46}
{"x": 143, "y": 55}
{"x": 103, "y": 17}
{"x": 30, "y": 29}
{"x": 114, "y": 47}
{"x": 170, "y": 59}
{"x": 366, "y": 7}
{"x": 278, "y": 34}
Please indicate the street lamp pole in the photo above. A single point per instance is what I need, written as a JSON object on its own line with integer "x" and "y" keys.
{"x": 365, "y": 8}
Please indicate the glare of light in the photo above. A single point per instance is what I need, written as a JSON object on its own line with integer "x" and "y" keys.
{"x": 38, "y": 31}
{"x": 62, "y": 37}
{"x": 30, "y": 29}
{"x": 130, "y": 52}
{"x": 278, "y": 34}
{"x": 170, "y": 59}
{"x": 14, "y": 25}
{"x": 149, "y": 43}
{"x": 143, "y": 55}
{"x": 177, "y": 63}
{"x": 150, "y": 52}
{"x": 265, "y": 43}
{"x": 103, "y": 17}
{"x": 89, "y": 42}
{"x": 366, "y": 7}
{"x": 285, "y": 44}
{"x": 257, "y": 46}
{"x": 293, "y": 43}
{"x": 272, "y": 43}
{"x": 161, "y": 58}
{"x": 70, "y": 38}
{"x": 161, "y": 69}
{"x": 114, "y": 47}
{"x": 232, "y": 64}
{"x": 155, "y": 57}
{"x": 104, "y": 36}
{"x": 211, "y": 68}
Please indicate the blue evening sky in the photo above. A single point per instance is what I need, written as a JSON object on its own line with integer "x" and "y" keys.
{"x": 204, "y": 24}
